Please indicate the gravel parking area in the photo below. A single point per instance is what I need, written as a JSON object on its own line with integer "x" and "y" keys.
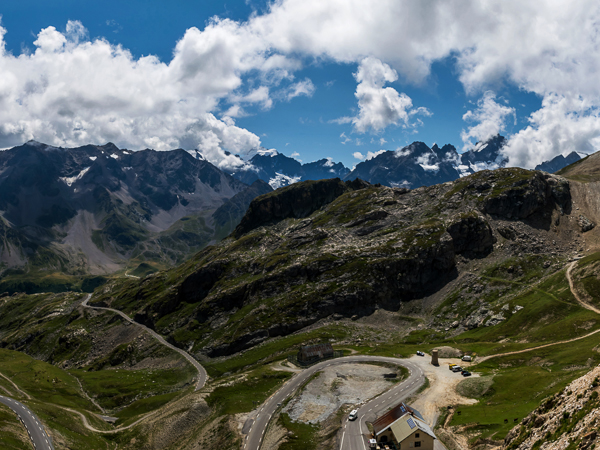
{"x": 335, "y": 386}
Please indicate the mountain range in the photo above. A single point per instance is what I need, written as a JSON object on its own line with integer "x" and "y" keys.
{"x": 99, "y": 209}
{"x": 93, "y": 209}
{"x": 412, "y": 166}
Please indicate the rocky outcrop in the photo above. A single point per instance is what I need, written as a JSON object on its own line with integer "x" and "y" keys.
{"x": 295, "y": 201}
{"x": 471, "y": 233}
{"x": 332, "y": 249}
{"x": 566, "y": 420}
{"x": 526, "y": 195}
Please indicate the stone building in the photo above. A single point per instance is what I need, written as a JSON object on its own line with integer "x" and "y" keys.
{"x": 312, "y": 353}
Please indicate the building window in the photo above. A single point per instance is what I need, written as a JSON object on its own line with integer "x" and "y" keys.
{"x": 416, "y": 435}
{"x": 418, "y": 444}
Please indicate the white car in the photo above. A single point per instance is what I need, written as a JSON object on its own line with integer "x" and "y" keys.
{"x": 353, "y": 414}
{"x": 420, "y": 353}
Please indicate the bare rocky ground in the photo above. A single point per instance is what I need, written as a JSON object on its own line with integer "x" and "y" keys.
{"x": 334, "y": 387}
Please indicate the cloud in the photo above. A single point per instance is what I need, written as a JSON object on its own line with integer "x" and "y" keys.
{"x": 71, "y": 90}
{"x": 490, "y": 118}
{"x": 258, "y": 96}
{"x": 378, "y": 107}
{"x": 296, "y": 156}
{"x": 425, "y": 161}
{"x": 345, "y": 138}
{"x": 371, "y": 155}
{"x": 304, "y": 87}
{"x": 561, "y": 126}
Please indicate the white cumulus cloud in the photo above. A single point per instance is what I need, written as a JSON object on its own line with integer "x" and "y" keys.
{"x": 378, "y": 106}
{"x": 70, "y": 90}
{"x": 489, "y": 118}
{"x": 561, "y": 126}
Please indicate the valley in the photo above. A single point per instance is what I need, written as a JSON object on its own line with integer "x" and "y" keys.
{"x": 501, "y": 265}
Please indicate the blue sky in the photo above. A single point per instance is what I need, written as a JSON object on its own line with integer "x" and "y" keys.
{"x": 231, "y": 84}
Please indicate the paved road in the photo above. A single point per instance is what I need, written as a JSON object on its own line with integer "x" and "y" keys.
{"x": 352, "y": 437}
{"x": 201, "y": 371}
{"x": 34, "y": 426}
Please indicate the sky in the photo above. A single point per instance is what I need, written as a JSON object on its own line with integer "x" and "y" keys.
{"x": 312, "y": 79}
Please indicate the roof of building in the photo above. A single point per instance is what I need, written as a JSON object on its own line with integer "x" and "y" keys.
{"x": 407, "y": 425}
{"x": 317, "y": 350}
{"x": 392, "y": 415}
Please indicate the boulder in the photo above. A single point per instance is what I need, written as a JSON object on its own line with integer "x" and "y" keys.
{"x": 585, "y": 224}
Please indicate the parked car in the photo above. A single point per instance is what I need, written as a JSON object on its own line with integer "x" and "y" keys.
{"x": 466, "y": 373}
{"x": 451, "y": 366}
{"x": 353, "y": 414}
{"x": 420, "y": 353}
{"x": 457, "y": 369}
{"x": 466, "y": 358}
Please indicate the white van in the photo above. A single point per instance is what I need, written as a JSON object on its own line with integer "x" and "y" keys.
{"x": 466, "y": 358}
{"x": 353, "y": 414}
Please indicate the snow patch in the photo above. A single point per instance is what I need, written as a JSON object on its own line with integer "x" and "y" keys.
{"x": 115, "y": 156}
{"x": 480, "y": 146}
{"x": 70, "y": 180}
{"x": 127, "y": 168}
{"x": 425, "y": 162}
{"x": 463, "y": 170}
{"x": 93, "y": 158}
{"x": 281, "y": 180}
{"x": 401, "y": 184}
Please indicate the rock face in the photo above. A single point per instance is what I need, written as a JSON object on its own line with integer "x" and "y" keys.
{"x": 521, "y": 196}
{"x": 471, "y": 233}
{"x": 297, "y": 201}
{"x": 331, "y": 248}
{"x": 566, "y": 420}
{"x": 91, "y": 208}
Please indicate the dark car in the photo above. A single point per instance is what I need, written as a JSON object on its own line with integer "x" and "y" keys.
{"x": 466, "y": 373}
{"x": 419, "y": 353}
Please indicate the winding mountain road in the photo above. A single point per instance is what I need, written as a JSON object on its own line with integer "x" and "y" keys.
{"x": 353, "y": 433}
{"x": 34, "y": 426}
{"x": 202, "y": 376}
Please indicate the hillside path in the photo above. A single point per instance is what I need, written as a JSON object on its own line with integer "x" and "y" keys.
{"x": 579, "y": 300}
{"x": 202, "y": 376}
